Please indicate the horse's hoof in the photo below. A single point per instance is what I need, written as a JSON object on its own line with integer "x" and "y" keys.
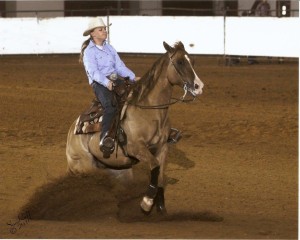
{"x": 146, "y": 204}
{"x": 161, "y": 210}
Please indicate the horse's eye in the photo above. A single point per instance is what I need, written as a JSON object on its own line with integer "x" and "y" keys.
{"x": 180, "y": 62}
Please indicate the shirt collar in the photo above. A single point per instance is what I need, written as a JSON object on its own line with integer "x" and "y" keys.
{"x": 92, "y": 44}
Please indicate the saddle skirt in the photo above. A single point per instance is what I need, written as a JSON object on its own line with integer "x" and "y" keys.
{"x": 90, "y": 120}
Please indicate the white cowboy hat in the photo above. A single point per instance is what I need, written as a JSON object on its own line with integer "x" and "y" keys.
{"x": 94, "y": 23}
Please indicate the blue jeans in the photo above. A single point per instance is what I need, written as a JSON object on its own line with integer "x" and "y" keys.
{"x": 107, "y": 100}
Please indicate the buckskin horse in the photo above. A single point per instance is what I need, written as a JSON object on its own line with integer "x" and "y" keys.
{"x": 145, "y": 121}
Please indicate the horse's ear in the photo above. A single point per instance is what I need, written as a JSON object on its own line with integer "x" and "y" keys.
{"x": 180, "y": 45}
{"x": 168, "y": 47}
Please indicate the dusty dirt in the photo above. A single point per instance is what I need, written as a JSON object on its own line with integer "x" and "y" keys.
{"x": 234, "y": 174}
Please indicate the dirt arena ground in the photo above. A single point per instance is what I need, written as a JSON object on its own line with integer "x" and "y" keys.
{"x": 234, "y": 174}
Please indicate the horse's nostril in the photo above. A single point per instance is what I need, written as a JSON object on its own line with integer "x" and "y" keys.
{"x": 196, "y": 86}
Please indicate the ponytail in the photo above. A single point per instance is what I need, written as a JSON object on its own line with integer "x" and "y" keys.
{"x": 83, "y": 47}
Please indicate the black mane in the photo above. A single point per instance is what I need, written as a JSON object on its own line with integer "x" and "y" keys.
{"x": 148, "y": 81}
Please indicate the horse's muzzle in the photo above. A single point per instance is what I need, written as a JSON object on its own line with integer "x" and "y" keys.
{"x": 197, "y": 87}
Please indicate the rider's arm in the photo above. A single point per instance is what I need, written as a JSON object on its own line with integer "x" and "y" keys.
{"x": 121, "y": 68}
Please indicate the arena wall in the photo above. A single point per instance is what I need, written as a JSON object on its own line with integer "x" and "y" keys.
{"x": 269, "y": 36}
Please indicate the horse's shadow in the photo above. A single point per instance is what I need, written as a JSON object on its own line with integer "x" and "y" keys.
{"x": 99, "y": 196}
{"x": 178, "y": 157}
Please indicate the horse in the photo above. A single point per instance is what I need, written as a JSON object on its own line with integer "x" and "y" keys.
{"x": 145, "y": 121}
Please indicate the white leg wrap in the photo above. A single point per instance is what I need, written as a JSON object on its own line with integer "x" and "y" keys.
{"x": 146, "y": 203}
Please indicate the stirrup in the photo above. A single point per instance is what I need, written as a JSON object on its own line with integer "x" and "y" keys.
{"x": 107, "y": 144}
{"x": 174, "y": 136}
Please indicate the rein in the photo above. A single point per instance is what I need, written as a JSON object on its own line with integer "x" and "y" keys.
{"x": 165, "y": 106}
{"x": 175, "y": 100}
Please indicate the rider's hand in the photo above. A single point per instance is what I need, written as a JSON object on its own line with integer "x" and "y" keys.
{"x": 110, "y": 86}
{"x": 137, "y": 79}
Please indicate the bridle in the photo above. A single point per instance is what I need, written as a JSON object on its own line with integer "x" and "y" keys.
{"x": 175, "y": 100}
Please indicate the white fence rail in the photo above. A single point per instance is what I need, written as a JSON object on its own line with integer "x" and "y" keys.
{"x": 268, "y": 36}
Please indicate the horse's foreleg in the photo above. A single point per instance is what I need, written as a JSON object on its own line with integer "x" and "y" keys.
{"x": 155, "y": 192}
{"x": 156, "y": 163}
{"x": 142, "y": 153}
{"x": 160, "y": 198}
{"x": 160, "y": 201}
{"x": 148, "y": 199}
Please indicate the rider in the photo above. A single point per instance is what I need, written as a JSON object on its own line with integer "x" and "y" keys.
{"x": 101, "y": 61}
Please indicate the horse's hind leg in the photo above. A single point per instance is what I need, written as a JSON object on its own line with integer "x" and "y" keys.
{"x": 79, "y": 158}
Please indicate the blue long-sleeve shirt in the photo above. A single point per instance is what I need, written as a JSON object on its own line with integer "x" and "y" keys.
{"x": 102, "y": 62}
